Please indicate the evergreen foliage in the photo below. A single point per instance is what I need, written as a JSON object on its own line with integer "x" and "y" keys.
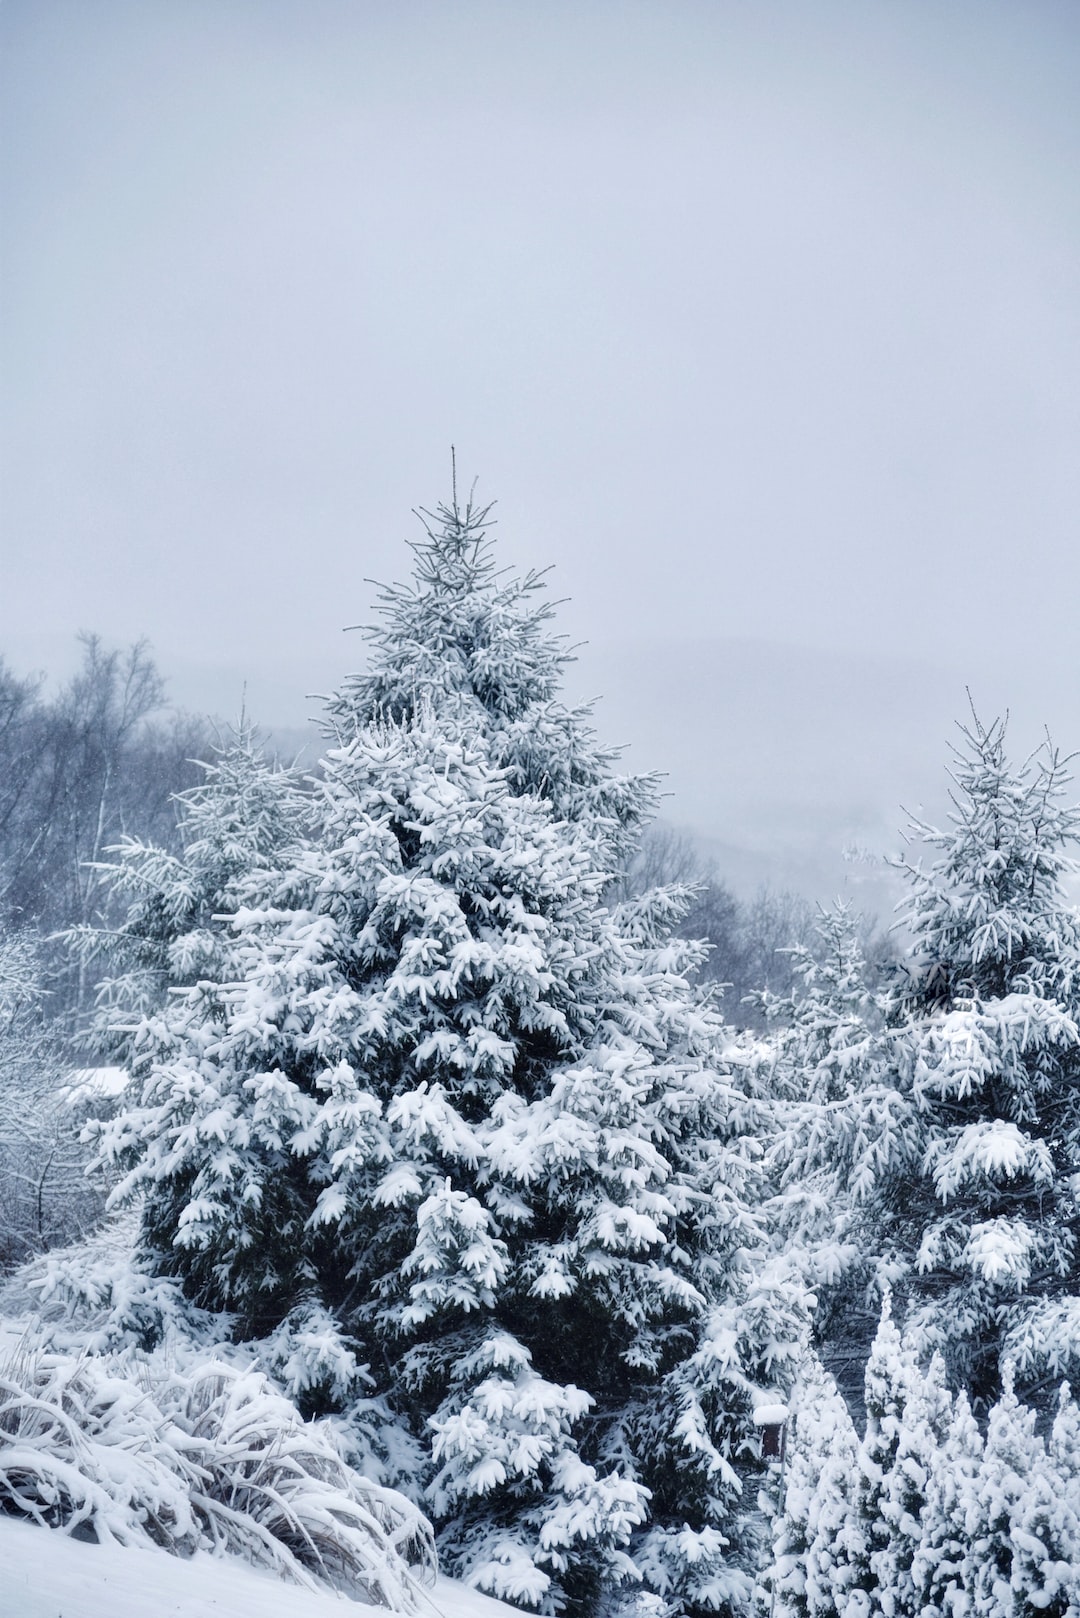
{"x": 431, "y": 1113}
{"x": 817, "y": 1059}
{"x": 954, "y": 1139}
{"x": 988, "y": 1057}
{"x": 927, "y": 1517}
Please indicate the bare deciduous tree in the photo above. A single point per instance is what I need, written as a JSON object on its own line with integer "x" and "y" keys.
{"x": 45, "y": 1196}
{"x": 101, "y": 760}
{"x": 751, "y": 939}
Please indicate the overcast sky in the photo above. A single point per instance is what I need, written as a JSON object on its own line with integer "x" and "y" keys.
{"x": 760, "y": 321}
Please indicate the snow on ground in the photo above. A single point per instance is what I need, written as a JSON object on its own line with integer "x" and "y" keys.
{"x": 44, "y": 1574}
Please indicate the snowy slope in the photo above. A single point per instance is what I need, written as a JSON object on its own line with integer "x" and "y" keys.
{"x": 44, "y": 1574}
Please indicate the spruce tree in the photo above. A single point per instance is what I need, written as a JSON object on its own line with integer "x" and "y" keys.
{"x": 957, "y": 1149}
{"x": 987, "y": 1053}
{"x": 817, "y": 1056}
{"x": 442, "y": 1094}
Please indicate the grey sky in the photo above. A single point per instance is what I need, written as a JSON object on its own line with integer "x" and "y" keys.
{"x": 760, "y": 321}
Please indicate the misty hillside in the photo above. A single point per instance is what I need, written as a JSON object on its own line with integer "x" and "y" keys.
{"x": 780, "y": 758}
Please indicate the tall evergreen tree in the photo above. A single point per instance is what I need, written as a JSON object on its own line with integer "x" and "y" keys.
{"x": 959, "y": 1146}
{"x": 434, "y": 1085}
{"x": 988, "y": 1054}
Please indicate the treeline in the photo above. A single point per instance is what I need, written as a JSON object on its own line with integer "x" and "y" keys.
{"x": 99, "y": 760}
{"x": 105, "y": 756}
{"x": 754, "y": 944}
{"x": 104, "y": 760}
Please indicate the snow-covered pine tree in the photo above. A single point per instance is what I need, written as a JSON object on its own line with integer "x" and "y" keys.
{"x": 821, "y": 1547}
{"x": 959, "y": 1146}
{"x": 983, "y": 1202}
{"x": 236, "y": 829}
{"x": 819, "y": 1045}
{"x": 442, "y": 1091}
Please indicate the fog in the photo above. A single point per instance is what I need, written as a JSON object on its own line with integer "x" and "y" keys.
{"x": 760, "y": 323}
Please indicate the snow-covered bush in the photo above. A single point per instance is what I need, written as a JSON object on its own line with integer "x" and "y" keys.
{"x": 200, "y": 1455}
{"x": 1021, "y": 1516}
{"x": 820, "y": 1543}
{"x": 100, "y": 1296}
{"x": 927, "y": 1517}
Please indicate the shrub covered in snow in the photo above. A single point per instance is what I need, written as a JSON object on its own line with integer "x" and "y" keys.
{"x": 820, "y": 1543}
{"x": 199, "y": 1455}
{"x": 927, "y": 1516}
